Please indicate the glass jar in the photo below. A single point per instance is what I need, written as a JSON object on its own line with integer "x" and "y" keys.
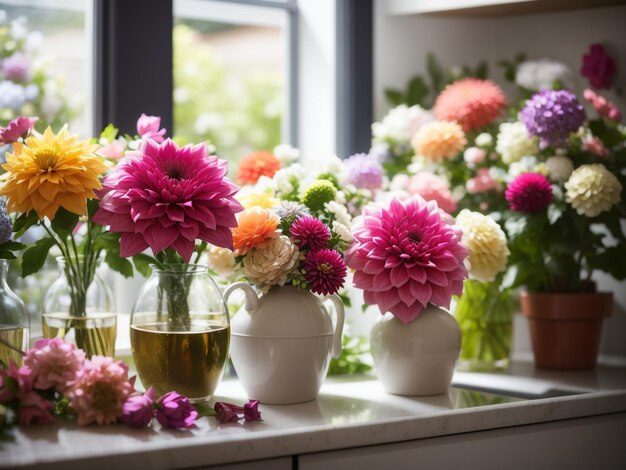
{"x": 180, "y": 332}
{"x": 79, "y": 308}
{"x": 14, "y": 322}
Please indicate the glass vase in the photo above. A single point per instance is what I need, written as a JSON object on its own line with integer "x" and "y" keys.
{"x": 79, "y": 307}
{"x": 485, "y": 315}
{"x": 180, "y": 332}
{"x": 14, "y": 322}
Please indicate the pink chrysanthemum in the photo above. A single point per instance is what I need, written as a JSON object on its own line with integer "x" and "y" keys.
{"x": 54, "y": 363}
{"x": 471, "y": 102}
{"x": 100, "y": 391}
{"x": 406, "y": 256}
{"x": 309, "y": 232}
{"x": 18, "y": 127}
{"x": 529, "y": 192}
{"x": 603, "y": 107}
{"x": 325, "y": 271}
{"x": 164, "y": 196}
{"x": 432, "y": 188}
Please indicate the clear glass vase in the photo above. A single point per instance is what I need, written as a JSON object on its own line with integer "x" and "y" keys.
{"x": 485, "y": 315}
{"x": 14, "y": 322}
{"x": 180, "y": 332}
{"x": 79, "y": 308}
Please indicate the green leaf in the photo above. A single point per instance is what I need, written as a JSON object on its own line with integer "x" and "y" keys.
{"x": 6, "y": 254}
{"x": 394, "y": 97}
{"x": 204, "y": 409}
{"x": 13, "y": 246}
{"x": 92, "y": 207}
{"x": 35, "y": 256}
{"x": 142, "y": 264}
{"x": 119, "y": 264}
{"x": 611, "y": 261}
{"x": 64, "y": 222}
{"x": 435, "y": 73}
{"x": 482, "y": 70}
{"x": 109, "y": 133}
{"x": 24, "y": 222}
{"x": 418, "y": 90}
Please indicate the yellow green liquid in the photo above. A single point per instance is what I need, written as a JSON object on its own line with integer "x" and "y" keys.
{"x": 190, "y": 363}
{"x": 12, "y": 338}
{"x": 94, "y": 334}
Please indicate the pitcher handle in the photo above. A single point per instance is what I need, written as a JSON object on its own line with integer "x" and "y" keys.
{"x": 340, "y": 313}
{"x": 252, "y": 299}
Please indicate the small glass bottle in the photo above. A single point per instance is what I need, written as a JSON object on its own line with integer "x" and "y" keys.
{"x": 14, "y": 321}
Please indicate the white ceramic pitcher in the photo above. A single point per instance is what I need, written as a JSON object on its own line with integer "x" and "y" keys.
{"x": 281, "y": 343}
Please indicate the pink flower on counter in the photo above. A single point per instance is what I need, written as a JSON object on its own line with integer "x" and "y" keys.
{"x": 100, "y": 390}
{"x": 251, "y": 411}
{"x": 175, "y": 411}
{"x": 34, "y": 409}
{"x": 54, "y": 363}
{"x": 231, "y": 413}
{"x": 148, "y": 126}
{"x": 15, "y": 68}
{"x": 529, "y": 192}
{"x": 16, "y": 382}
{"x": 139, "y": 410}
{"x": 604, "y": 107}
{"x": 598, "y": 67}
{"x": 432, "y": 188}
{"x": 482, "y": 182}
{"x": 18, "y": 127}
{"x": 594, "y": 145}
{"x": 407, "y": 256}
{"x": 474, "y": 155}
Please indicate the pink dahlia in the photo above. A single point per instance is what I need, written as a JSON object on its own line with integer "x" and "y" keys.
{"x": 148, "y": 127}
{"x": 471, "y": 102}
{"x": 18, "y": 127}
{"x": 309, "y": 232}
{"x": 100, "y": 390}
{"x": 529, "y": 192}
{"x": 407, "y": 256}
{"x": 164, "y": 196}
{"x": 432, "y": 188}
{"x": 325, "y": 271}
{"x": 603, "y": 107}
{"x": 54, "y": 363}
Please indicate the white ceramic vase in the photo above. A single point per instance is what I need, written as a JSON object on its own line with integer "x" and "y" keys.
{"x": 281, "y": 343}
{"x": 417, "y": 358}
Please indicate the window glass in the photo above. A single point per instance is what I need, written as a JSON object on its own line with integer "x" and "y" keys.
{"x": 44, "y": 66}
{"x": 229, "y": 76}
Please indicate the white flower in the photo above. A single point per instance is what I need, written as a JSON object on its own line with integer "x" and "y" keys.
{"x": 340, "y": 197}
{"x": 270, "y": 265}
{"x": 483, "y": 140}
{"x": 286, "y": 154}
{"x": 343, "y": 231}
{"x": 221, "y": 260}
{"x": 541, "y": 74}
{"x": 399, "y": 182}
{"x": 339, "y": 212}
{"x": 285, "y": 178}
{"x": 592, "y": 189}
{"x": 559, "y": 168}
{"x": 330, "y": 164}
{"x": 527, "y": 164}
{"x": 401, "y": 123}
{"x": 514, "y": 142}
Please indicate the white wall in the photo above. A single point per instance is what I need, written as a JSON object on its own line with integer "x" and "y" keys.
{"x": 401, "y": 44}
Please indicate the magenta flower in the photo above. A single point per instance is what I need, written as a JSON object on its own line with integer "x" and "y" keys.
{"x": 34, "y": 409}
{"x": 164, "y": 196}
{"x": 54, "y": 363}
{"x": 407, "y": 256}
{"x": 309, "y": 232}
{"x": 18, "y": 127}
{"x": 15, "y": 68}
{"x": 175, "y": 411}
{"x": 227, "y": 412}
{"x": 598, "y": 67}
{"x": 251, "y": 411}
{"x": 325, "y": 271}
{"x": 139, "y": 410}
{"x": 529, "y": 192}
{"x": 100, "y": 390}
{"x": 148, "y": 127}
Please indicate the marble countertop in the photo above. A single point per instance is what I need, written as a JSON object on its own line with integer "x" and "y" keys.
{"x": 350, "y": 412}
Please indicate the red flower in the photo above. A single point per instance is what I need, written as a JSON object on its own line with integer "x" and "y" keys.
{"x": 325, "y": 270}
{"x": 529, "y": 192}
{"x": 598, "y": 67}
{"x": 309, "y": 232}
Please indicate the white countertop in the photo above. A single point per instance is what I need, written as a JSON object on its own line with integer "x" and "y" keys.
{"x": 350, "y": 412}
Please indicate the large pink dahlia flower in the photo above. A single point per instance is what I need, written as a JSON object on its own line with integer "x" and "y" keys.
{"x": 406, "y": 257}
{"x": 164, "y": 196}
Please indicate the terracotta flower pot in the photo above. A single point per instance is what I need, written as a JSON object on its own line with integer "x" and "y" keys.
{"x": 565, "y": 329}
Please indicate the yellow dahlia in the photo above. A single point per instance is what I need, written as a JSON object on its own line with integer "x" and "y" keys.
{"x": 439, "y": 140}
{"x": 486, "y": 242}
{"x": 264, "y": 200}
{"x": 50, "y": 171}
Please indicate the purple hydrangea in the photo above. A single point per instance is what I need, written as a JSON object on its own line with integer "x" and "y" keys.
{"x": 364, "y": 171}
{"x": 552, "y": 115}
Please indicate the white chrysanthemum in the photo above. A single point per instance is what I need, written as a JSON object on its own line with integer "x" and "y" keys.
{"x": 339, "y": 212}
{"x": 270, "y": 265}
{"x": 343, "y": 231}
{"x": 286, "y": 154}
{"x": 560, "y": 168}
{"x": 541, "y": 74}
{"x": 221, "y": 260}
{"x": 514, "y": 142}
{"x": 483, "y": 140}
{"x": 401, "y": 123}
{"x": 528, "y": 164}
{"x": 285, "y": 178}
{"x": 486, "y": 242}
{"x": 330, "y": 164}
{"x": 592, "y": 189}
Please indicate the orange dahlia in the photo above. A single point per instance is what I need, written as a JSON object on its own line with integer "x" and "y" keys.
{"x": 256, "y": 225}
{"x": 50, "y": 171}
{"x": 439, "y": 140}
{"x": 255, "y": 165}
{"x": 471, "y": 102}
